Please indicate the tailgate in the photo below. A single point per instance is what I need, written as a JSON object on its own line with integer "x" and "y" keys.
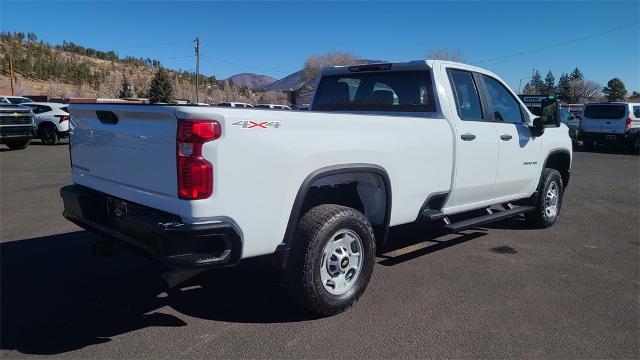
{"x": 128, "y": 151}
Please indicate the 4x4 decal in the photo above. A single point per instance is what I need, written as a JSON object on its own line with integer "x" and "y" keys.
{"x": 258, "y": 125}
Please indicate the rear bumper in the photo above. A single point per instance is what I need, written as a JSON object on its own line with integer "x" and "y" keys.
{"x": 159, "y": 235}
{"x": 610, "y": 138}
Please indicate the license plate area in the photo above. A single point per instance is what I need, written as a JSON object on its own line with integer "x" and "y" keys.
{"x": 610, "y": 137}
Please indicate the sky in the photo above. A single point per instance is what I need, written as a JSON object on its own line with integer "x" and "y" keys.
{"x": 275, "y": 38}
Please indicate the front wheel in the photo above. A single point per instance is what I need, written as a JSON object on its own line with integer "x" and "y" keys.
{"x": 331, "y": 260}
{"x": 549, "y": 202}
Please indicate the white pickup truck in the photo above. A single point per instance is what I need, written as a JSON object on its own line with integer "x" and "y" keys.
{"x": 383, "y": 145}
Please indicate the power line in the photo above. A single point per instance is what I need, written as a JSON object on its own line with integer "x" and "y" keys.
{"x": 154, "y": 44}
{"x": 174, "y": 58}
{"x": 557, "y": 44}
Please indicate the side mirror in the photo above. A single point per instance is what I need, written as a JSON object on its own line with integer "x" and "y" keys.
{"x": 537, "y": 127}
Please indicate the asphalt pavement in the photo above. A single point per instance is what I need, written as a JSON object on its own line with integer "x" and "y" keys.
{"x": 500, "y": 291}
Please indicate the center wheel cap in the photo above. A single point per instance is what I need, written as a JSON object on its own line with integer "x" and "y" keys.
{"x": 344, "y": 262}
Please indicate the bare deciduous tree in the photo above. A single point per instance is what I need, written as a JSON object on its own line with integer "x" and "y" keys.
{"x": 444, "y": 54}
{"x": 583, "y": 90}
{"x": 314, "y": 64}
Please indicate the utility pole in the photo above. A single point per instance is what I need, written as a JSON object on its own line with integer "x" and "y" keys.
{"x": 11, "y": 72}
{"x": 197, "y": 41}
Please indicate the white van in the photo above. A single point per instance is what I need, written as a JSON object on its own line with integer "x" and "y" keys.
{"x": 611, "y": 123}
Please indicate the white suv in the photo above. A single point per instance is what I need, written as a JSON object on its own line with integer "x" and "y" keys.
{"x": 615, "y": 123}
{"x": 52, "y": 121}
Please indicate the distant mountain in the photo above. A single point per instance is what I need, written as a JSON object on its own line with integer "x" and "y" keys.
{"x": 252, "y": 81}
{"x": 292, "y": 81}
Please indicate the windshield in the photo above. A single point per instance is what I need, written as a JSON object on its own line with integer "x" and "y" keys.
{"x": 605, "y": 111}
{"x": 19, "y": 100}
{"x": 397, "y": 91}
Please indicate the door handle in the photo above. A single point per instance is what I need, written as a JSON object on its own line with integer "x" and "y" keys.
{"x": 467, "y": 137}
{"x": 506, "y": 137}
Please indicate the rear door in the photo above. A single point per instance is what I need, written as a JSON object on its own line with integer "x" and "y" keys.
{"x": 476, "y": 144}
{"x": 126, "y": 150}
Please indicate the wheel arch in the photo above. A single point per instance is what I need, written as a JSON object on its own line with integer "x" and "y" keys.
{"x": 559, "y": 159}
{"x": 374, "y": 178}
{"x": 46, "y": 123}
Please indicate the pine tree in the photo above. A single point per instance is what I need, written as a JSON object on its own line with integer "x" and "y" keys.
{"x": 576, "y": 74}
{"x": 536, "y": 83}
{"x": 549, "y": 84}
{"x": 125, "y": 89}
{"x": 161, "y": 87}
{"x": 564, "y": 87}
{"x": 615, "y": 90}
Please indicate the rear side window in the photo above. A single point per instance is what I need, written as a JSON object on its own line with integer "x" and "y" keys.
{"x": 505, "y": 106}
{"x": 65, "y": 109}
{"x": 636, "y": 111}
{"x": 396, "y": 91}
{"x": 467, "y": 99}
{"x": 604, "y": 111}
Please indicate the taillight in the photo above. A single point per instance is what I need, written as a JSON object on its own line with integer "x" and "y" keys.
{"x": 195, "y": 174}
{"x": 627, "y": 125}
{"x": 62, "y": 118}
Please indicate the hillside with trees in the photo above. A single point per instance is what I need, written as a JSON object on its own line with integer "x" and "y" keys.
{"x": 70, "y": 70}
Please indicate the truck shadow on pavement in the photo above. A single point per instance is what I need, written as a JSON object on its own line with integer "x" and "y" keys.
{"x": 58, "y": 297}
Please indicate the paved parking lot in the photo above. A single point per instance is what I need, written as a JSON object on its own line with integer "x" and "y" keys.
{"x": 571, "y": 291}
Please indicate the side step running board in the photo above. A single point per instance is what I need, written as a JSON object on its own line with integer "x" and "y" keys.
{"x": 485, "y": 219}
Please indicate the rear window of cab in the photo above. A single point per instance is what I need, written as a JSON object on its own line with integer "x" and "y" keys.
{"x": 605, "y": 111}
{"x": 387, "y": 91}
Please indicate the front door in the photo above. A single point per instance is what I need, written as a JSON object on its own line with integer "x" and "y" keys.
{"x": 518, "y": 150}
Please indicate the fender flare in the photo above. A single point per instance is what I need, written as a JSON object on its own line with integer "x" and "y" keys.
{"x": 325, "y": 172}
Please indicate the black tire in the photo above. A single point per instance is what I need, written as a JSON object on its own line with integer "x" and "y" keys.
{"x": 49, "y": 134}
{"x": 540, "y": 217}
{"x": 635, "y": 146}
{"x": 302, "y": 276}
{"x": 18, "y": 144}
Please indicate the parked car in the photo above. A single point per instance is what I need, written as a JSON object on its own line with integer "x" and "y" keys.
{"x": 52, "y": 121}
{"x": 383, "y": 145}
{"x": 234, "y": 104}
{"x": 17, "y": 126}
{"x": 272, "y": 106}
{"x": 14, "y": 100}
{"x": 571, "y": 121}
{"x": 615, "y": 123}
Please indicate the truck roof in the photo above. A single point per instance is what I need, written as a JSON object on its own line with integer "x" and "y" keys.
{"x": 400, "y": 66}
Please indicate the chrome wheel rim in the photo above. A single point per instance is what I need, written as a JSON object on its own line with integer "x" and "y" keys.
{"x": 341, "y": 262}
{"x": 551, "y": 200}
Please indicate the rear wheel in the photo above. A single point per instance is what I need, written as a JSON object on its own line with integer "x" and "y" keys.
{"x": 49, "y": 134}
{"x": 635, "y": 145}
{"x": 332, "y": 259}
{"x": 549, "y": 202}
{"x": 17, "y": 144}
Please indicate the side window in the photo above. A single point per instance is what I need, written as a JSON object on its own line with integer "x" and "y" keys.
{"x": 636, "y": 111}
{"x": 505, "y": 106}
{"x": 37, "y": 109}
{"x": 467, "y": 98}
